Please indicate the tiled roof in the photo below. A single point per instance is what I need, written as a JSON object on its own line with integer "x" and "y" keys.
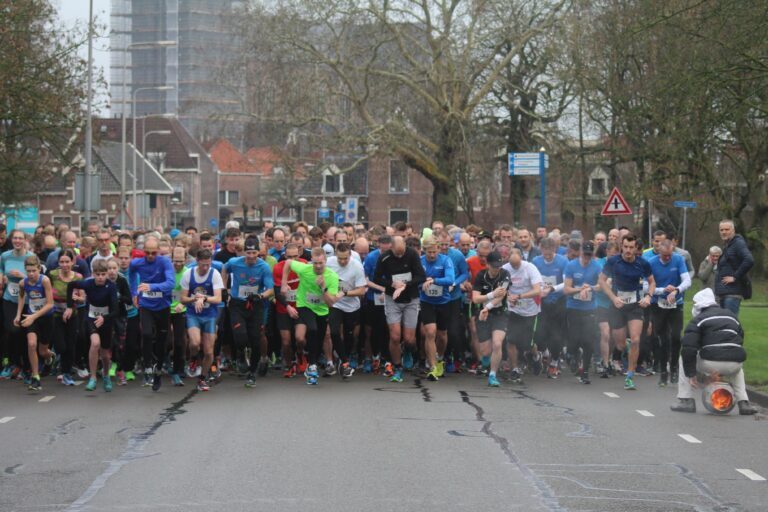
{"x": 228, "y": 159}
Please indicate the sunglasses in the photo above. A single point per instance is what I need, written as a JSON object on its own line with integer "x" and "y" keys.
{"x": 150, "y": 253}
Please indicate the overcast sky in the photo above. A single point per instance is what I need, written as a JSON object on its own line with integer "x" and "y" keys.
{"x": 76, "y": 11}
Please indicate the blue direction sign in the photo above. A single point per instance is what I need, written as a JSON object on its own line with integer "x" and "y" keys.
{"x": 527, "y": 164}
{"x": 685, "y": 204}
{"x": 338, "y": 218}
{"x": 323, "y": 213}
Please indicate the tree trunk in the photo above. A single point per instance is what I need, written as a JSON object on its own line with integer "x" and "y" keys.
{"x": 452, "y": 163}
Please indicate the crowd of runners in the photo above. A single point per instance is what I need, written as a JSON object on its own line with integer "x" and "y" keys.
{"x": 324, "y": 301}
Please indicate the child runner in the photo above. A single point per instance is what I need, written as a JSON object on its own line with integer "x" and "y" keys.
{"x": 64, "y": 333}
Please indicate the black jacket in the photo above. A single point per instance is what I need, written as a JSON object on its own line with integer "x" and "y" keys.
{"x": 390, "y": 265}
{"x": 531, "y": 254}
{"x": 735, "y": 261}
{"x": 716, "y": 335}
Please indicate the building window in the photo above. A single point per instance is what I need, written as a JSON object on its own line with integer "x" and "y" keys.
{"x": 66, "y": 219}
{"x": 398, "y": 215}
{"x": 229, "y": 197}
{"x": 398, "y": 177}
{"x": 178, "y": 193}
{"x": 332, "y": 184}
{"x": 597, "y": 187}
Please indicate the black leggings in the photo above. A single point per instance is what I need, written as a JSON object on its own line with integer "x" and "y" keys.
{"x": 550, "y": 328}
{"x": 154, "y": 334}
{"x": 246, "y": 328}
{"x": 179, "y": 324}
{"x": 343, "y": 324}
{"x": 132, "y": 344}
{"x": 65, "y": 340}
{"x": 667, "y": 325}
{"x": 582, "y": 331}
{"x": 457, "y": 338}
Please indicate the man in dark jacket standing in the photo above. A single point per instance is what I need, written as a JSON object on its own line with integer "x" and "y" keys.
{"x": 732, "y": 269}
{"x": 712, "y": 344}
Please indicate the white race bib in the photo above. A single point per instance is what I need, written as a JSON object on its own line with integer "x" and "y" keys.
{"x": 549, "y": 280}
{"x": 153, "y": 295}
{"x": 314, "y": 299}
{"x": 59, "y": 306}
{"x": 627, "y": 297}
{"x": 290, "y": 296}
{"x": 525, "y": 303}
{"x": 378, "y": 299}
{"x": 405, "y": 278}
{"x": 247, "y": 291}
{"x": 36, "y": 305}
{"x": 663, "y": 303}
{"x": 176, "y": 295}
{"x": 434, "y": 290}
{"x": 344, "y": 286}
{"x": 95, "y": 311}
{"x": 13, "y": 289}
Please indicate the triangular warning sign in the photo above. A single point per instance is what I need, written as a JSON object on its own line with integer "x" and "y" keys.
{"x": 616, "y": 204}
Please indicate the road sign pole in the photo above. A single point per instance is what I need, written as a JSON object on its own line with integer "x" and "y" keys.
{"x": 685, "y": 224}
{"x": 542, "y": 166}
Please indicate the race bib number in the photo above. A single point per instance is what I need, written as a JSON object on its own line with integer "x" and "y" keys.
{"x": 588, "y": 296}
{"x": 404, "y": 278}
{"x": 176, "y": 295}
{"x": 344, "y": 286}
{"x": 378, "y": 299}
{"x": 314, "y": 299}
{"x": 153, "y": 295}
{"x": 36, "y": 305}
{"x": 549, "y": 280}
{"x": 248, "y": 291}
{"x": 665, "y": 304}
{"x": 13, "y": 289}
{"x": 96, "y": 312}
{"x": 290, "y": 296}
{"x": 434, "y": 290}
{"x": 627, "y": 297}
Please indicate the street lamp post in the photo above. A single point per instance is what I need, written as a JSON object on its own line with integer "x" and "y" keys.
{"x": 133, "y": 46}
{"x": 144, "y": 154}
{"x": 133, "y": 129}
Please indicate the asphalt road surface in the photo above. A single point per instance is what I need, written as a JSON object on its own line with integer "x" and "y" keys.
{"x": 371, "y": 445}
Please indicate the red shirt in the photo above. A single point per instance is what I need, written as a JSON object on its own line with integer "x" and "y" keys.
{"x": 293, "y": 282}
{"x": 475, "y": 266}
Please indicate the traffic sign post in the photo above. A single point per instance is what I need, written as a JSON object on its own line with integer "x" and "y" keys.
{"x": 685, "y": 205}
{"x": 532, "y": 164}
{"x": 616, "y": 204}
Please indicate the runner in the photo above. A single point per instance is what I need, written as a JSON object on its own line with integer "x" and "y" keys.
{"x": 132, "y": 334}
{"x": 456, "y": 333}
{"x": 251, "y": 284}
{"x": 434, "y": 297}
{"x": 627, "y": 272}
{"x": 120, "y": 322}
{"x": 102, "y": 306}
{"x": 376, "y": 330}
{"x": 287, "y": 315}
{"x": 672, "y": 280}
{"x": 156, "y": 279}
{"x": 581, "y": 282}
{"x": 605, "y": 368}
{"x": 200, "y": 292}
{"x": 400, "y": 271}
{"x": 344, "y": 316}
{"x": 34, "y": 314}
{"x": 64, "y": 333}
{"x": 179, "y": 319}
{"x": 317, "y": 292}
{"x": 525, "y": 287}
{"x": 12, "y": 271}
{"x": 551, "y": 325}
{"x": 490, "y": 291}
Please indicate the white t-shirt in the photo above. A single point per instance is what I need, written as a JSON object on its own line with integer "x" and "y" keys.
{"x": 97, "y": 256}
{"x": 350, "y": 277}
{"x": 522, "y": 281}
{"x": 217, "y": 282}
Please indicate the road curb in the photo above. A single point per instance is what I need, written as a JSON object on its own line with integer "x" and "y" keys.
{"x": 758, "y": 397}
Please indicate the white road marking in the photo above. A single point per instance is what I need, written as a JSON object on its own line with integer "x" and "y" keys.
{"x": 645, "y": 413}
{"x": 47, "y": 398}
{"x": 7, "y": 419}
{"x": 610, "y": 395}
{"x": 751, "y": 475}
{"x": 689, "y": 438}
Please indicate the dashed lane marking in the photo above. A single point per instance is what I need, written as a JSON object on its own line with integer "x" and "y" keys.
{"x": 47, "y": 398}
{"x": 6, "y": 419}
{"x": 647, "y": 414}
{"x": 689, "y": 438}
{"x": 610, "y": 395}
{"x": 751, "y": 475}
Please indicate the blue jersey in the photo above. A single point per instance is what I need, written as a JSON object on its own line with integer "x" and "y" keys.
{"x": 670, "y": 273}
{"x": 9, "y": 262}
{"x": 205, "y": 287}
{"x": 460, "y": 271}
{"x": 218, "y": 266}
{"x": 581, "y": 275}
{"x": 369, "y": 265}
{"x": 247, "y": 279}
{"x": 160, "y": 276}
{"x": 627, "y": 277}
{"x": 102, "y": 300}
{"x": 34, "y": 296}
{"x": 130, "y": 310}
{"x": 441, "y": 272}
{"x": 602, "y": 298}
{"x": 552, "y": 274}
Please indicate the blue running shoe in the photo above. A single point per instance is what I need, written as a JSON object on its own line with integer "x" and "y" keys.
{"x": 91, "y": 384}
{"x": 6, "y": 373}
{"x": 67, "y": 380}
{"x": 108, "y": 384}
{"x": 27, "y": 379}
{"x": 177, "y": 380}
{"x": 398, "y": 376}
{"x": 367, "y": 366}
{"x": 353, "y": 361}
{"x": 407, "y": 360}
{"x": 493, "y": 381}
{"x": 311, "y": 375}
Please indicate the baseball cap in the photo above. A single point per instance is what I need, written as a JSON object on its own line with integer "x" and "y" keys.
{"x": 251, "y": 243}
{"x": 587, "y": 247}
{"x": 494, "y": 260}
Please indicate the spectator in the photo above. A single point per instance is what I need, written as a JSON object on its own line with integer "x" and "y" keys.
{"x": 708, "y": 267}
{"x": 732, "y": 283}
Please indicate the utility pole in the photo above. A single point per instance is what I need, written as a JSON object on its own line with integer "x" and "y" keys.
{"x": 88, "y": 176}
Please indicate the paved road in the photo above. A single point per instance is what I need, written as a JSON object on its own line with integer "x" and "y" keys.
{"x": 368, "y": 444}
